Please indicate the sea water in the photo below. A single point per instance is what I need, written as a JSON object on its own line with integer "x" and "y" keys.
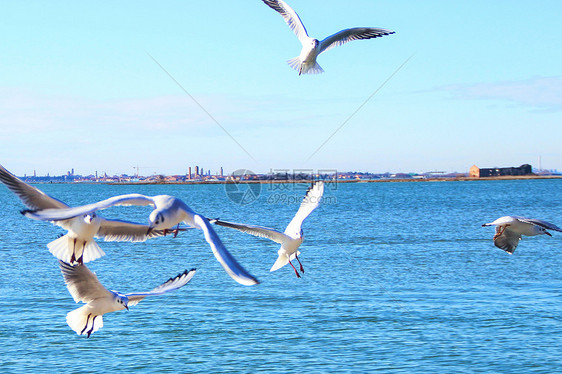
{"x": 399, "y": 278}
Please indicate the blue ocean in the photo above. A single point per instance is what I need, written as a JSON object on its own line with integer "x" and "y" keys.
{"x": 399, "y": 278}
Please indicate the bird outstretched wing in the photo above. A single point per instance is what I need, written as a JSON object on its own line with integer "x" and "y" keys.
{"x": 508, "y": 240}
{"x": 290, "y": 16}
{"x": 309, "y": 203}
{"x": 228, "y": 262}
{"x": 82, "y": 283}
{"x": 32, "y": 197}
{"x": 260, "y": 231}
{"x": 171, "y": 284}
{"x": 61, "y": 214}
{"x": 538, "y": 222}
{"x": 347, "y": 35}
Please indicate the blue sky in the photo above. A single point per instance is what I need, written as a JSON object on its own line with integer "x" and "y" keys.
{"x": 80, "y": 90}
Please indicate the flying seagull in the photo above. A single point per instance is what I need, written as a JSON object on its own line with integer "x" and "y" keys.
{"x": 510, "y": 228}
{"x": 292, "y": 238}
{"x": 84, "y": 286}
{"x": 78, "y": 245}
{"x": 311, "y": 48}
{"x": 168, "y": 213}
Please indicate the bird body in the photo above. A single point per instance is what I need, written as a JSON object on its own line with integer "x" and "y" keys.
{"x": 509, "y": 230}
{"x": 168, "y": 212}
{"x": 292, "y": 237}
{"x": 306, "y": 63}
{"x": 84, "y": 286}
{"x": 89, "y": 318}
{"x": 78, "y": 244}
{"x": 287, "y": 252}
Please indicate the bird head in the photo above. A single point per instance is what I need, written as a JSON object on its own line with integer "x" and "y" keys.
{"x": 89, "y": 218}
{"x": 122, "y": 300}
{"x": 156, "y": 220}
{"x": 315, "y": 43}
{"x": 541, "y": 231}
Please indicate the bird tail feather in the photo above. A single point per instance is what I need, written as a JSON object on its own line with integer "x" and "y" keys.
{"x": 297, "y": 64}
{"x": 283, "y": 260}
{"x": 83, "y": 322}
{"x": 315, "y": 69}
{"x": 63, "y": 248}
{"x": 92, "y": 251}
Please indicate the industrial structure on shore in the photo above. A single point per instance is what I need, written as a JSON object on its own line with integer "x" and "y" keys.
{"x": 476, "y": 172}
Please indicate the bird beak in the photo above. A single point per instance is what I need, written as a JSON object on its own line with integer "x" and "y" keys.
{"x": 149, "y": 230}
{"x": 127, "y": 307}
{"x": 547, "y": 233}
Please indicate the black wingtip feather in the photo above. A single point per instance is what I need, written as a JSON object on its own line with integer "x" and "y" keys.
{"x": 185, "y": 272}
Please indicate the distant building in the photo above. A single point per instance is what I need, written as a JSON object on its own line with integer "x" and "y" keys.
{"x": 476, "y": 172}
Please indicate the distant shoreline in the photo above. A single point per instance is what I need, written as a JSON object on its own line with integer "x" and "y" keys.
{"x": 444, "y": 179}
{"x": 273, "y": 181}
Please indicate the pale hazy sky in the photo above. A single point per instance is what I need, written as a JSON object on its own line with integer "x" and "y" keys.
{"x": 80, "y": 90}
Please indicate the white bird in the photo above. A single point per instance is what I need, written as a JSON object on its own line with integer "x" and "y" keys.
{"x": 84, "y": 286}
{"x": 78, "y": 245}
{"x": 311, "y": 48}
{"x": 510, "y": 228}
{"x": 292, "y": 238}
{"x": 168, "y": 212}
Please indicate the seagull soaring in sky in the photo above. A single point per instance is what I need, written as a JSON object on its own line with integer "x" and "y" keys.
{"x": 292, "y": 238}
{"x": 311, "y": 48}
{"x": 78, "y": 245}
{"x": 168, "y": 212}
{"x": 84, "y": 286}
{"x": 510, "y": 228}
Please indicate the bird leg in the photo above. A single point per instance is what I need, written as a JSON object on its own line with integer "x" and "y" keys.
{"x": 296, "y": 272}
{"x": 92, "y": 329}
{"x": 501, "y": 229}
{"x": 87, "y": 320}
{"x": 81, "y": 258}
{"x": 177, "y": 230}
{"x": 297, "y": 257}
{"x": 73, "y": 257}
